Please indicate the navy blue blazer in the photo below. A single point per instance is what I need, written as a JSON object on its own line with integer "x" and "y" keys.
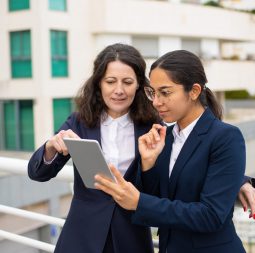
{"x": 93, "y": 214}
{"x": 194, "y": 207}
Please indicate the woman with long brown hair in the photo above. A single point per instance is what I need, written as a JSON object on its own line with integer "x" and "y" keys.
{"x": 113, "y": 109}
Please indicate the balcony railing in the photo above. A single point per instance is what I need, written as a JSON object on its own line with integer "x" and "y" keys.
{"x": 19, "y": 167}
{"x": 30, "y": 215}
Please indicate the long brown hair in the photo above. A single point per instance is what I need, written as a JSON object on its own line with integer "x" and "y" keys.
{"x": 185, "y": 68}
{"x": 89, "y": 100}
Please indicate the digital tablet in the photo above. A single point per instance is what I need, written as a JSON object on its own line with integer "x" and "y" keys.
{"x": 88, "y": 158}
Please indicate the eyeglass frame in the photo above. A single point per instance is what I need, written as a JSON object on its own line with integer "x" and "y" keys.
{"x": 151, "y": 93}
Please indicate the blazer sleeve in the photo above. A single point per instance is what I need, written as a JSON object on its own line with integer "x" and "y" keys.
{"x": 148, "y": 182}
{"x": 38, "y": 170}
{"x": 225, "y": 173}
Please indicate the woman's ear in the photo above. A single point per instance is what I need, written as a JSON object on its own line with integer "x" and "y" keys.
{"x": 195, "y": 91}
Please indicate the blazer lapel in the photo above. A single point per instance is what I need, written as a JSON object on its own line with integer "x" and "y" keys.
{"x": 163, "y": 163}
{"x": 94, "y": 133}
{"x": 189, "y": 147}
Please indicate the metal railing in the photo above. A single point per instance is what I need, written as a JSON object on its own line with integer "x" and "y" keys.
{"x": 30, "y": 215}
{"x": 19, "y": 167}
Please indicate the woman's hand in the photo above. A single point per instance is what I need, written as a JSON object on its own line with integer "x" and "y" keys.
{"x": 151, "y": 145}
{"x": 56, "y": 144}
{"x": 247, "y": 197}
{"x": 123, "y": 192}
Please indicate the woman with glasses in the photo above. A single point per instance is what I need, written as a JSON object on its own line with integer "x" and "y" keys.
{"x": 189, "y": 175}
{"x": 111, "y": 109}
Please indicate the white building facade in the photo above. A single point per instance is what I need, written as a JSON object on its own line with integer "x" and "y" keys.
{"x": 47, "y": 50}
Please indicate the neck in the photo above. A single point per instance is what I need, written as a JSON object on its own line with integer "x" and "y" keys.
{"x": 193, "y": 114}
{"x": 116, "y": 115}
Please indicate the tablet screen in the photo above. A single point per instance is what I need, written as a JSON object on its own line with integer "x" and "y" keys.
{"x": 88, "y": 158}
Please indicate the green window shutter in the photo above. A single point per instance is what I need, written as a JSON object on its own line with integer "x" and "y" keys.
{"x": 58, "y": 5}
{"x": 59, "y": 54}
{"x": 21, "y": 64}
{"x": 15, "y": 5}
{"x": 21, "y": 69}
{"x": 62, "y": 108}
{"x": 26, "y": 44}
{"x": 26, "y": 125}
{"x": 10, "y": 125}
{"x": 59, "y": 68}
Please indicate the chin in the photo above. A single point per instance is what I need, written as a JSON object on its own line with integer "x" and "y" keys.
{"x": 169, "y": 120}
{"x": 119, "y": 111}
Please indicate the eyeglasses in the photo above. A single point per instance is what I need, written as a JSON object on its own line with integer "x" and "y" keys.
{"x": 151, "y": 93}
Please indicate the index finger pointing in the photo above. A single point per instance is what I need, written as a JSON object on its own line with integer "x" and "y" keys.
{"x": 119, "y": 178}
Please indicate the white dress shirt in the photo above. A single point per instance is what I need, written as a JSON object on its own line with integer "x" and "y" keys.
{"x": 118, "y": 141}
{"x": 179, "y": 139}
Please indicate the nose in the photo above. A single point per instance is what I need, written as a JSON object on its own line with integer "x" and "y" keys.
{"x": 156, "y": 102}
{"x": 119, "y": 88}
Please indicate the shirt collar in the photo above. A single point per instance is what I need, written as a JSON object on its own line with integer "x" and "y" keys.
{"x": 184, "y": 133}
{"x": 123, "y": 121}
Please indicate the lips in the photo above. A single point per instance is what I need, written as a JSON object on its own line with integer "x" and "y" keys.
{"x": 118, "y": 99}
{"x": 162, "y": 112}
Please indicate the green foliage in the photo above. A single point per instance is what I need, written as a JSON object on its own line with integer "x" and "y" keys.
{"x": 237, "y": 94}
{"x": 212, "y": 3}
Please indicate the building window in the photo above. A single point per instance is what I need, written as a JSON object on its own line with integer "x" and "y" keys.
{"x": 148, "y": 47}
{"x": 58, "y": 5}
{"x": 18, "y": 126}
{"x": 59, "y": 54}
{"x": 62, "y": 108}
{"x": 192, "y": 45}
{"x": 21, "y": 64}
{"x": 16, "y": 5}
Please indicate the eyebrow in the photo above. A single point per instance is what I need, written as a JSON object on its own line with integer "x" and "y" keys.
{"x": 163, "y": 87}
{"x": 131, "y": 78}
{"x": 106, "y": 77}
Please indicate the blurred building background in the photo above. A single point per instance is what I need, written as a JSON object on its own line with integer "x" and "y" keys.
{"x": 46, "y": 54}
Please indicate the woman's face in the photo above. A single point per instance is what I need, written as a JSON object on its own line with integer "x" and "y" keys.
{"x": 171, "y": 101}
{"x": 118, "y": 88}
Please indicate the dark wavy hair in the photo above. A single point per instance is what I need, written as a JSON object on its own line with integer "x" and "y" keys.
{"x": 185, "y": 68}
{"x": 89, "y": 100}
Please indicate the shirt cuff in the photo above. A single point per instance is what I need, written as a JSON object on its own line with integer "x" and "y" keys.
{"x": 50, "y": 161}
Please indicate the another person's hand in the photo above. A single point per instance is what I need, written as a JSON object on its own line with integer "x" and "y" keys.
{"x": 56, "y": 144}
{"x": 247, "y": 197}
{"x": 123, "y": 192}
{"x": 151, "y": 145}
